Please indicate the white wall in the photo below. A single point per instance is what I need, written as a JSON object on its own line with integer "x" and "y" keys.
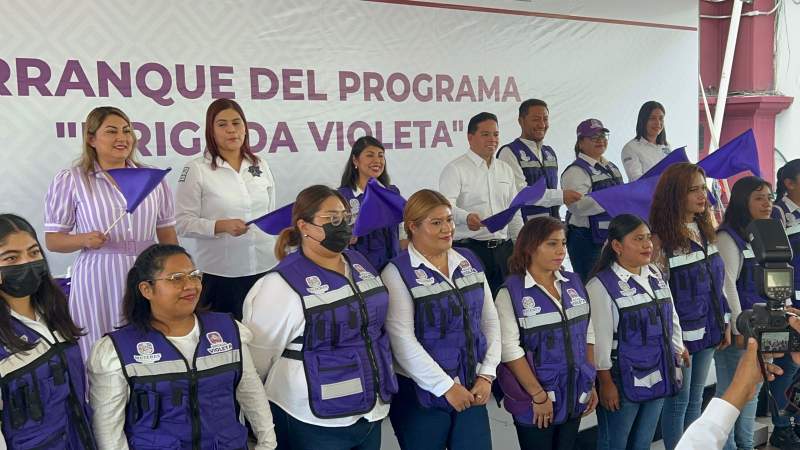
{"x": 787, "y": 80}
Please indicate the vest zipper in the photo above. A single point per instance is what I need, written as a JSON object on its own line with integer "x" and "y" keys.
{"x": 365, "y": 334}
{"x": 471, "y": 354}
{"x": 570, "y": 362}
{"x": 195, "y": 408}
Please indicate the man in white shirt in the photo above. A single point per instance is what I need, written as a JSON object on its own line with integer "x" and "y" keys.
{"x": 479, "y": 186}
{"x": 530, "y": 160}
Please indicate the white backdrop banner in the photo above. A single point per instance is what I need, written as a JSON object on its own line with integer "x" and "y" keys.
{"x": 313, "y": 75}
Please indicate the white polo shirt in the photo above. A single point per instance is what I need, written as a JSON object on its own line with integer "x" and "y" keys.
{"x": 639, "y": 156}
{"x": 205, "y": 195}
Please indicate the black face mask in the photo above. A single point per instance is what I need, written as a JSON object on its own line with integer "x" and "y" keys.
{"x": 337, "y": 238}
{"x": 22, "y": 280}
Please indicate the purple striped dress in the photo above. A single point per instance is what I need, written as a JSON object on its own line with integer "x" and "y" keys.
{"x": 90, "y": 202}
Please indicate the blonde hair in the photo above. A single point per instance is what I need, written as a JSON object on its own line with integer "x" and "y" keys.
{"x": 93, "y": 122}
{"x": 419, "y": 205}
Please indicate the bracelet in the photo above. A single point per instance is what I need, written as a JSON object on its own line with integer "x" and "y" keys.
{"x": 485, "y": 377}
{"x": 533, "y": 398}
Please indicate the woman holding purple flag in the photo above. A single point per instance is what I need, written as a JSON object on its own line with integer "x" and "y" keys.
{"x": 367, "y": 160}
{"x": 217, "y": 193}
{"x": 81, "y": 205}
{"x": 587, "y": 221}
{"x": 444, "y": 332}
{"x": 637, "y": 337}
{"x": 547, "y": 374}
{"x": 685, "y": 250}
{"x": 318, "y": 332}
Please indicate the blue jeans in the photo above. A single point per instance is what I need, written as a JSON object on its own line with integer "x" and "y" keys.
{"x": 778, "y": 389}
{"x": 583, "y": 252}
{"x": 741, "y": 436}
{"x": 682, "y": 409}
{"x": 419, "y": 428}
{"x": 294, "y": 434}
{"x": 631, "y": 427}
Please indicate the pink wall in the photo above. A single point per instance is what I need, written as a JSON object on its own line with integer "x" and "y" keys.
{"x": 752, "y": 72}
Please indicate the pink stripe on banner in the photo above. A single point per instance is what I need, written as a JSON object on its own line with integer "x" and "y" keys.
{"x": 516, "y": 12}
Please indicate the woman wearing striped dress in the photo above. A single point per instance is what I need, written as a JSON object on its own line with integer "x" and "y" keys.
{"x": 82, "y": 202}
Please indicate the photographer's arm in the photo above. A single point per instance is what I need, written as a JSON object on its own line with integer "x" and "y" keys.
{"x": 711, "y": 430}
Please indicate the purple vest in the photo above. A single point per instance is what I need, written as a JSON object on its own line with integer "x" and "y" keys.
{"x": 172, "y": 405}
{"x": 695, "y": 279}
{"x": 345, "y": 348}
{"x": 555, "y": 348}
{"x": 44, "y": 395}
{"x": 793, "y": 232}
{"x": 379, "y": 246}
{"x": 602, "y": 178}
{"x": 533, "y": 170}
{"x": 642, "y": 352}
{"x": 447, "y": 319}
{"x": 746, "y": 283}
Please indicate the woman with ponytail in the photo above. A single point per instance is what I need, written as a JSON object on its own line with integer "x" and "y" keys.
{"x": 637, "y": 337}
{"x": 319, "y": 338}
{"x": 174, "y": 376}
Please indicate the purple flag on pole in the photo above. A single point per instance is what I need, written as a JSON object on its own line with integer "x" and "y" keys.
{"x": 676, "y": 156}
{"x": 136, "y": 184}
{"x": 736, "y": 156}
{"x": 380, "y": 208}
{"x": 528, "y": 195}
{"x": 274, "y": 222}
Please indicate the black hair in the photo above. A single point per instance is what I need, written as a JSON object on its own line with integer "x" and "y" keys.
{"x": 530, "y": 103}
{"x": 477, "y": 119}
{"x": 737, "y": 215}
{"x": 621, "y": 226}
{"x": 789, "y": 171}
{"x": 350, "y": 174}
{"x": 49, "y": 300}
{"x": 136, "y": 309}
{"x": 644, "y": 116}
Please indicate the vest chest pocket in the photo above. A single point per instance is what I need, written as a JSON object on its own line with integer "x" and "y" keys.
{"x": 153, "y": 441}
{"x": 551, "y": 348}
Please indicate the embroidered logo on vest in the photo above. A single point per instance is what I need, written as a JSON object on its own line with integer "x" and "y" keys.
{"x": 466, "y": 268}
{"x": 575, "y": 299}
{"x": 529, "y": 307}
{"x": 217, "y": 344}
{"x": 315, "y": 286}
{"x": 524, "y": 156}
{"x": 362, "y": 272}
{"x": 662, "y": 284}
{"x": 423, "y": 278}
{"x": 354, "y": 205}
{"x": 147, "y": 353}
{"x": 625, "y": 289}
{"x": 790, "y": 219}
{"x": 24, "y": 338}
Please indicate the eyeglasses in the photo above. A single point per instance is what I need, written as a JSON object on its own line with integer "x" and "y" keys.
{"x": 599, "y": 137}
{"x": 337, "y": 219}
{"x": 180, "y": 278}
{"x": 442, "y": 224}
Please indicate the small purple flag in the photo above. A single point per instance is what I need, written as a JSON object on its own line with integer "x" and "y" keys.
{"x": 380, "y": 208}
{"x": 632, "y": 198}
{"x": 528, "y": 195}
{"x": 136, "y": 184}
{"x": 736, "y": 156}
{"x": 274, "y": 222}
{"x": 676, "y": 156}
